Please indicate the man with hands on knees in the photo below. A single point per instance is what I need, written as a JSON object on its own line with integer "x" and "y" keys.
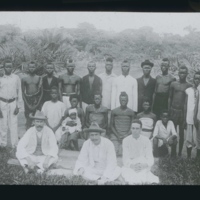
{"x": 38, "y": 148}
{"x": 97, "y": 159}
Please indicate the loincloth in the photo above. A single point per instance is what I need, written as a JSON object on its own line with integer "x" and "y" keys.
{"x": 176, "y": 116}
{"x": 33, "y": 99}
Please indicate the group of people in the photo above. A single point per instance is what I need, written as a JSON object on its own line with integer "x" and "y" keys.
{"x": 116, "y": 115}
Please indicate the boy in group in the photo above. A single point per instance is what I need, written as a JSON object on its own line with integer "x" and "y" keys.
{"x": 192, "y": 94}
{"x": 32, "y": 93}
{"x": 146, "y": 84}
{"x": 161, "y": 94}
{"x": 164, "y": 136}
{"x": 120, "y": 122}
{"x": 54, "y": 110}
{"x": 98, "y": 113}
{"x": 147, "y": 118}
{"x": 67, "y": 136}
{"x": 177, "y": 97}
{"x": 89, "y": 85}
{"x": 48, "y": 82}
{"x": 69, "y": 83}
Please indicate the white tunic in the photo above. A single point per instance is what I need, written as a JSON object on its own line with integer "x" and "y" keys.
{"x": 126, "y": 84}
{"x": 137, "y": 151}
{"x": 98, "y": 160}
{"x": 54, "y": 111}
{"x": 107, "y": 81}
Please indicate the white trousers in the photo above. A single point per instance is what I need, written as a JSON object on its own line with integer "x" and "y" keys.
{"x": 8, "y": 123}
{"x": 143, "y": 177}
{"x": 38, "y": 160}
{"x": 66, "y": 101}
{"x": 94, "y": 173}
{"x": 84, "y": 106}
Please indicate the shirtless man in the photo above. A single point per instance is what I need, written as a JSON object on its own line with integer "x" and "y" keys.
{"x": 32, "y": 93}
{"x": 161, "y": 95}
{"x": 69, "y": 83}
{"x": 176, "y": 103}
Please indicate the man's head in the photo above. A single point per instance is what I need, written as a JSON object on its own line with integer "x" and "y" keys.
{"x": 136, "y": 128}
{"x": 8, "y": 66}
{"x": 196, "y": 79}
{"x": 183, "y": 72}
{"x": 49, "y": 68}
{"x": 91, "y": 67}
{"x": 164, "y": 116}
{"x": 125, "y": 66}
{"x": 97, "y": 98}
{"x": 123, "y": 99}
{"x": 54, "y": 93}
{"x": 70, "y": 66}
{"x": 109, "y": 64}
{"x": 32, "y": 67}
{"x": 147, "y": 67}
{"x": 74, "y": 99}
{"x": 146, "y": 104}
{"x": 164, "y": 65}
{"x": 39, "y": 120}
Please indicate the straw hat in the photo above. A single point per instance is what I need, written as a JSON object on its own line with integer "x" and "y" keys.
{"x": 38, "y": 115}
{"x": 94, "y": 127}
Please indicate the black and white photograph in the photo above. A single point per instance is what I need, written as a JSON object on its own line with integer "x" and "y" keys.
{"x": 99, "y": 98}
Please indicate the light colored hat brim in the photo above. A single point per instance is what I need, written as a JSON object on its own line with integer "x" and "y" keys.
{"x": 100, "y": 130}
{"x": 33, "y": 117}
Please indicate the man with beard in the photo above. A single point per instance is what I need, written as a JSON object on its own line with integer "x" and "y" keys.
{"x": 177, "y": 98}
{"x": 37, "y": 149}
{"x": 69, "y": 83}
{"x": 161, "y": 94}
{"x": 48, "y": 82}
{"x": 32, "y": 93}
{"x": 146, "y": 85}
{"x": 89, "y": 85}
{"x": 125, "y": 83}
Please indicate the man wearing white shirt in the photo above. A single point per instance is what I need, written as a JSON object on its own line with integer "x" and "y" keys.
{"x": 10, "y": 100}
{"x": 125, "y": 83}
{"x": 97, "y": 159}
{"x": 37, "y": 149}
{"x": 137, "y": 157}
{"x": 164, "y": 135}
{"x": 107, "y": 79}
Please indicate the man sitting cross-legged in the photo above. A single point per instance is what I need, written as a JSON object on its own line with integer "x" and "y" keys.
{"x": 97, "y": 158}
{"x": 137, "y": 157}
{"x": 38, "y": 147}
{"x": 96, "y": 112}
{"x": 164, "y": 136}
{"x": 147, "y": 118}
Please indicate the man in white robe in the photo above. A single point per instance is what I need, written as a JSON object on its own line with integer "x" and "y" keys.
{"x": 97, "y": 159}
{"x": 125, "y": 83}
{"x": 38, "y": 146}
{"x": 137, "y": 157}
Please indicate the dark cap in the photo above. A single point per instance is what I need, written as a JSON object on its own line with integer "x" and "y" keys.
{"x": 147, "y": 62}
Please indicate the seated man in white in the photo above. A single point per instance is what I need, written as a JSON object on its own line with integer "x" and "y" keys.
{"x": 137, "y": 157}
{"x": 38, "y": 146}
{"x": 97, "y": 158}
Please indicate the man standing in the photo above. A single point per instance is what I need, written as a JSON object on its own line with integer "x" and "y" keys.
{"x": 161, "y": 94}
{"x": 126, "y": 83}
{"x": 120, "y": 122}
{"x": 177, "y": 101}
{"x": 107, "y": 78}
{"x": 10, "y": 101}
{"x": 97, "y": 158}
{"x": 69, "y": 83}
{"x": 138, "y": 157}
{"x": 32, "y": 93}
{"x": 146, "y": 85}
{"x": 98, "y": 113}
{"x": 89, "y": 85}
{"x": 48, "y": 82}
{"x": 37, "y": 149}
